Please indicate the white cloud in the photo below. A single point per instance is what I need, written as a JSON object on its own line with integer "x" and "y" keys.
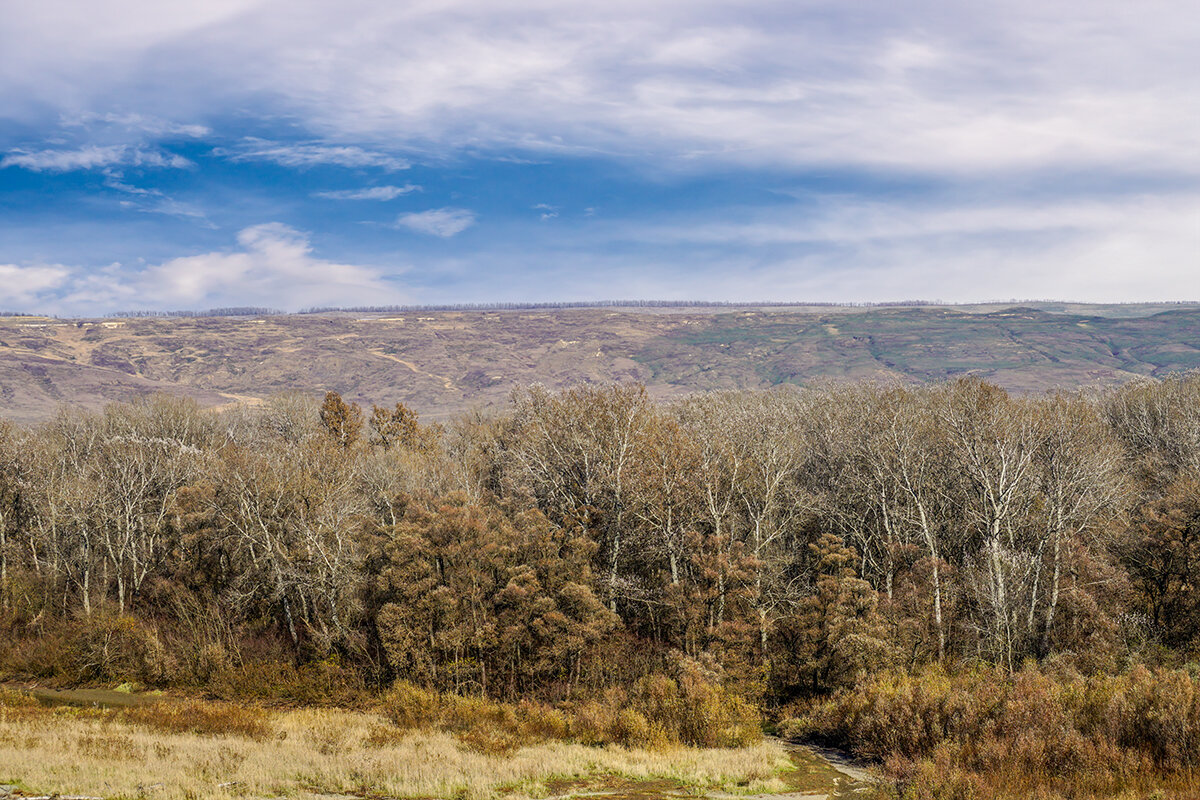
{"x": 372, "y": 193}
{"x": 30, "y": 285}
{"x": 273, "y": 266}
{"x": 93, "y": 157}
{"x": 306, "y": 155}
{"x": 444, "y": 222}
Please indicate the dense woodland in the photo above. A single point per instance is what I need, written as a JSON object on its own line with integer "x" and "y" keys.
{"x": 779, "y": 546}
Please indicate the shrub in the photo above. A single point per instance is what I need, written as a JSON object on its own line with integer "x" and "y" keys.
{"x": 592, "y": 722}
{"x": 656, "y": 711}
{"x": 1030, "y": 731}
{"x": 410, "y": 706}
{"x": 481, "y": 723}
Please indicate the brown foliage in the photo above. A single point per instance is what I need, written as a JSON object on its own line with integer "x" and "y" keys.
{"x": 691, "y": 708}
{"x": 954, "y": 732}
{"x": 343, "y": 421}
{"x": 595, "y": 565}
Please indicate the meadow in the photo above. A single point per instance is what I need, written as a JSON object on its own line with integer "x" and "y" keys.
{"x": 176, "y": 748}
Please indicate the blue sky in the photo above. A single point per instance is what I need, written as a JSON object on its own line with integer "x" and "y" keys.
{"x": 290, "y": 154}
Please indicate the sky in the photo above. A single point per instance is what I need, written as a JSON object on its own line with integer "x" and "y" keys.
{"x": 211, "y": 153}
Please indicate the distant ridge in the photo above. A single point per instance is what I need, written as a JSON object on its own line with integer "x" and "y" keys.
{"x": 699, "y": 304}
{"x": 262, "y": 311}
{"x": 440, "y": 361}
{"x": 611, "y": 304}
{"x": 258, "y": 311}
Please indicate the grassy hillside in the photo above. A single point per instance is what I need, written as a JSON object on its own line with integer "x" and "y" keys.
{"x": 441, "y": 362}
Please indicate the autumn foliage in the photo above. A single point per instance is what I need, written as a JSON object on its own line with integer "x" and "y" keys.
{"x": 904, "y": 565}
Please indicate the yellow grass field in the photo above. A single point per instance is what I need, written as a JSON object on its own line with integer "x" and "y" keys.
{"x": 321, "y": 752}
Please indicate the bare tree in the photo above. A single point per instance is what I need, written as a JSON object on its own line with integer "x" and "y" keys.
{"x": 1078, "y": 470}
{"x": 575, "y": 451}
{"x": 994, "y": 440}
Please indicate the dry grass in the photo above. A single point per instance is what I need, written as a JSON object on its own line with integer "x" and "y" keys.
{"x": 182, "y": 752}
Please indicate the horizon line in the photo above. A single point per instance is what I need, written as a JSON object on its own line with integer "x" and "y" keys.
{"x": 257, "y": 311}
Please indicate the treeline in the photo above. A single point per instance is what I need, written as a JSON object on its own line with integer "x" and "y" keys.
{"x": 235, "y": 311}
{"x": 780, "y": 544}
{"x": 613, "y": 304}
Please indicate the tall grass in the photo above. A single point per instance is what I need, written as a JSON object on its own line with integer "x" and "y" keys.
{"x": 201, "y": 749}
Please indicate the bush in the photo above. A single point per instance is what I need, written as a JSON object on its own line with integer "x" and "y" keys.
{"x": 656, "y": 711}
{"x": 480, "y": 723}
{"x": 102, "y": 648}
{"x": 410, "y": 706}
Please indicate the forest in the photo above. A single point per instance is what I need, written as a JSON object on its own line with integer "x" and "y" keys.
{"x": 983, "y": 593}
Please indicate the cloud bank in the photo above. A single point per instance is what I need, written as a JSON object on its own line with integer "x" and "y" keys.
{"x": 916, "y": 86}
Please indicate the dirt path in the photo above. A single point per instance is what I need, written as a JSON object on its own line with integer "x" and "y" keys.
{"x": 446, "y": 382}
{"x": 236, "y": 400}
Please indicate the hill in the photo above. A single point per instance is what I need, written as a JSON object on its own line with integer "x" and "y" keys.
{"x": 444, "y": 362}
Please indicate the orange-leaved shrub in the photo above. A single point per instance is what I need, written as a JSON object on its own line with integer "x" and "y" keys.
{"x": 1031, "y": 730}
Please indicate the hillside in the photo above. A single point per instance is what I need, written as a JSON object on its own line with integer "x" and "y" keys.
{"x": 443, "y": 362}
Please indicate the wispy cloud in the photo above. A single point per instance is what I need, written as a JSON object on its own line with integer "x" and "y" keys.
{"x": 307, "y": 155}
{"x": 372, "y": 193}
{"x": 155, "y": 201}
{"x": 93, "y": 157}
{"x": 1136, "y": 248}
{"x": 548, "y": 211}
{"x": 443, "y": 222}
{"x": 140, "y": 123}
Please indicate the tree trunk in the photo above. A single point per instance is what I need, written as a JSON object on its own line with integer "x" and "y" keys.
{"x": 87, "y": 588}
{"x": 931, "y": 543}
{"x": 3, "y": 566}
{"x": 1000, "y": 598}
{"x": 1053, "y": 604}
{"x": 1033, "y": 594}
{"x": 612, "y": 570}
